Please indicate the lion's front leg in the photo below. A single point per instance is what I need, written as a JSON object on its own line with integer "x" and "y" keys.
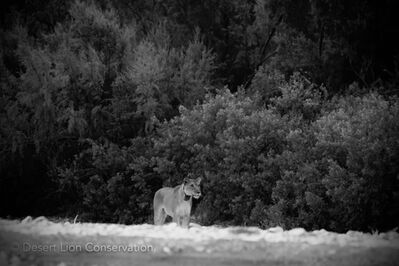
{"x": 185, "y": 221}
{"x": 176, "y": 219}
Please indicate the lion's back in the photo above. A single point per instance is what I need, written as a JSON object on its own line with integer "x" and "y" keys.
{"x": 165, "y": 196}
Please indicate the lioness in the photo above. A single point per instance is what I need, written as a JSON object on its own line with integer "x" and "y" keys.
{"x": 176, "y": 202}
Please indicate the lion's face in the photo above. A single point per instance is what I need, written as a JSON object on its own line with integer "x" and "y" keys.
{"x": 192, "y": 187}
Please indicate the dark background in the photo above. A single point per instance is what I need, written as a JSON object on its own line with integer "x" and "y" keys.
{"x": 287, "y": 109}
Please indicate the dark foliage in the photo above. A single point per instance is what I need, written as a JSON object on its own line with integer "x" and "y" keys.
{"x": 104, "y": 102}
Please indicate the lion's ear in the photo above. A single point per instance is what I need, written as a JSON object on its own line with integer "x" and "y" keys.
{"x": 185, "y": 180}
{"x": 198, "y": 180}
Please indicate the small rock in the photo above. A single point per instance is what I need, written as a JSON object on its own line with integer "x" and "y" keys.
{"x": 27, "y": 219}
{"x": 321, "y": 232}
{"x": 194, "y": 225}
{"x": 297, "y": 231}
{"x": 276, "y": 229}
{"x": 167, "y": 250}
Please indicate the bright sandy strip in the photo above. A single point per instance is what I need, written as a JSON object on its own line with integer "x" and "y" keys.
{"x": 197, "y": 233}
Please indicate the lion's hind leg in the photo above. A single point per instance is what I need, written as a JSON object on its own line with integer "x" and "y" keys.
{"x": 159, "y": 216}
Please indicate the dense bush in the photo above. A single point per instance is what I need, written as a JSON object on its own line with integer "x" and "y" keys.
{"x": 109, "y": 183}
{"x": 225, "y": 139}
{"x": 92, "y": 80}
{"x": 301, "y": 161}
{"x": 103, "y": 103}
{"x": 358, "y": 141}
